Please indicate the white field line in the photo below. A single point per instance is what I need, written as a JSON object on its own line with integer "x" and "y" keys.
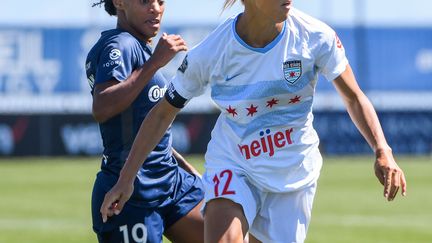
{"x": 44, "y": 224}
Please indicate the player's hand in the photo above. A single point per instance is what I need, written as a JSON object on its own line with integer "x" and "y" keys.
{"x": 167, "y": 47}
{"x": 389, "y": 174}
{"x": 115, "y": 199}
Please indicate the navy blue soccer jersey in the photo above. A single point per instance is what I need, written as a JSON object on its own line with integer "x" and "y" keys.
{"x": 114, "y": 57}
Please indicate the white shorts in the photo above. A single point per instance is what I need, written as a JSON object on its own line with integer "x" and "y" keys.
{"x": 272, "y": 217}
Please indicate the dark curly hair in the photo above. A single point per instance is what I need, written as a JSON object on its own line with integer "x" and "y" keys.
{"x": 108, "y": 5}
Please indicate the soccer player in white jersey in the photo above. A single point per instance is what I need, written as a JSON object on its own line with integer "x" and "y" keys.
{"x": 263, "y": 162}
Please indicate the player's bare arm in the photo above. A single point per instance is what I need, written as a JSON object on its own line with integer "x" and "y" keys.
{"x": 113, "y": 97}
{"x": 365, "y": 118}
{"x": 154, "y": 126}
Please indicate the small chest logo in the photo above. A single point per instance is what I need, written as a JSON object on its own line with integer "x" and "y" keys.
{"x": 292, "y": 71}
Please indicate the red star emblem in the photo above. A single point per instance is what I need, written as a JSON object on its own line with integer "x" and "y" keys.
{"x": 252, "y": 110}
{"x": 294, "y": 100}
{"x": 232, "y": 111}
{"x": 292, "y": 74}
{"x": 272, "y": 102}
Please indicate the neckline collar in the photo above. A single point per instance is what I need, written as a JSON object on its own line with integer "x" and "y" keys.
{"x": 257, "y": 49}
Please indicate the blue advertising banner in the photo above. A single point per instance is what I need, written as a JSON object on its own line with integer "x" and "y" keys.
{"x": 51, "y": 60}
{"x": 388, "y": 59}
{"x": 42, "y": 69}
{"x": 43, "y": 61}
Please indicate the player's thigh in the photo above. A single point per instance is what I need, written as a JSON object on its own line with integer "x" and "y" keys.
{"x": 188, "y": 229}
{"x": 284, "y": 217}
{"x": 183, "y": 219}
{"x": 133, "y": 224}
{"x": 230, "y": 204}
{"x": 224, "y": 221}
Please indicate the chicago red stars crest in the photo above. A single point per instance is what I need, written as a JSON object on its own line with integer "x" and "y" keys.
{"x": 292, "y": 70}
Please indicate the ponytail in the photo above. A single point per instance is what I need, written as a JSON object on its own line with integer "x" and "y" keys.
{"x": 229, "y": 3}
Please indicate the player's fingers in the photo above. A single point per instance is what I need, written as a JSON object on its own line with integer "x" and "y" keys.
{"x": 181, "y": 48}
{"x": 119, "y": 206}
{"x": 175, "y": 37}
{"x": 171, "y": 38}
{"x": 178, "y": 42}
{"x": 105, "y": 212}
{"x": 395, "y": 185}
{"x": 178, "y": 46}
{"x": 403, "y": 184}
{"x": 388, "y": 182}
{"x": 106, "y": 209}
{"x": 104, "y": 217}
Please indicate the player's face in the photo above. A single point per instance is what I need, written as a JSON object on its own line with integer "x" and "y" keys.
{"x": 144, "y": 17}
{"x": 277, "y": 10}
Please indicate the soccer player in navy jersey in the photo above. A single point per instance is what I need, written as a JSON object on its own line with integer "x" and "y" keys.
{"x": 126, "y": 83}
{"x": 263, "y": 160}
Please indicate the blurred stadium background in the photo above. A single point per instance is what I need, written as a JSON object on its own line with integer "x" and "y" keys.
{"x": 49, "y": 143}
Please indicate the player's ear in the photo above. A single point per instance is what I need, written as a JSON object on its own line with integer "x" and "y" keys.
{"x": 119, "y": 4}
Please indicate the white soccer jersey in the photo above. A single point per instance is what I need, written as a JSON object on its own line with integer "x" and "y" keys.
{"x": 265, "y": 96}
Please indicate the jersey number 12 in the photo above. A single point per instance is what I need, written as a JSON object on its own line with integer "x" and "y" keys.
{"x": 216, "y": 179}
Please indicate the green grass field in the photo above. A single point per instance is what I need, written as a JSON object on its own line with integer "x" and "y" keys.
{"x": 47, "y": 200}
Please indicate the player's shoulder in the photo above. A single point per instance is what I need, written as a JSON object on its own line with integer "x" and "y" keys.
{"x": 114, "y": 43}
{"x": 121, "y": 39}
{"x": 302, "y": 23}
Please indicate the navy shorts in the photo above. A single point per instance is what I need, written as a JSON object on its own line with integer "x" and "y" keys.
{"x": 144, "y": 224}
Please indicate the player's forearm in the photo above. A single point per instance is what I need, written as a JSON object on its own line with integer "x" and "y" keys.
{"x": 115, "y": 99}
{"x": 150, "y": 133}
{"x": 365, "y": 118}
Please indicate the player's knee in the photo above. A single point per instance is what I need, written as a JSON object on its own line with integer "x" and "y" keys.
{"x": 224, "y": 221}
{"x": 234, "y": 234}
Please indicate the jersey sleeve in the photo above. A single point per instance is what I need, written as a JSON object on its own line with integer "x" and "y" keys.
{"x": 116, "y": 62}
{"x": 331, "y": 59}
{"x": 191, "y": 78}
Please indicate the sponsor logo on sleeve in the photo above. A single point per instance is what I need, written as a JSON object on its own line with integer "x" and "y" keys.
{"x": 171, "y": 91}
{"x": 338, "y": 42}
{"x": 184, "y": 65}
{"x": 115, "y": 54}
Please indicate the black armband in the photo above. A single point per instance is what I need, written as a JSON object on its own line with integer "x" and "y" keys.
{"x": 174, "y": 98}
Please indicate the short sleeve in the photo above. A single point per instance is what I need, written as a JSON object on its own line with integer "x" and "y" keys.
{"x": 191, "y": 78}
{"x": 331, "y": 60}
{"x": 116, "y": 62}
